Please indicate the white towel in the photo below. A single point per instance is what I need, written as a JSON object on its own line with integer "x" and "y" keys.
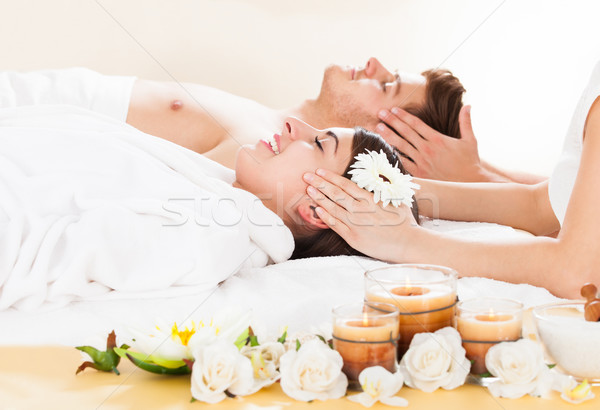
{"x": 89, "y": 205}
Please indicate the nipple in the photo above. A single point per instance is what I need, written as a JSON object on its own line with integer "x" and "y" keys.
{"x": 176, "y": 104}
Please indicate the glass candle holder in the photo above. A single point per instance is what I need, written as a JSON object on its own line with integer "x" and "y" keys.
{"x": 484, "y": 322}
{"x": 424, "y": 294}
{"x": 365, "y": 335}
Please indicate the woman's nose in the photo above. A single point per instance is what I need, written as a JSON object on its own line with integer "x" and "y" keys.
{"x": 297, "y": 129}
{"x": 374, "y": 69}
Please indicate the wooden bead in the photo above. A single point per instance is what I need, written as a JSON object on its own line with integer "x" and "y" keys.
{"x": 589, "y": 291}
{"x": 592, "y": 311}
{"x": 592, "y": 306}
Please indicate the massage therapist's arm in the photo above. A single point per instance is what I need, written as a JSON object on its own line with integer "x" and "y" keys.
{"x": 562, "y": 265}
{"x": 521, "y": 206}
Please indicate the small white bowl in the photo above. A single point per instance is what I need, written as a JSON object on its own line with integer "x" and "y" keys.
{"x": 573, "y": 342}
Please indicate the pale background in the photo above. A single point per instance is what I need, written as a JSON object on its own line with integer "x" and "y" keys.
{"x": 524, "y": 63}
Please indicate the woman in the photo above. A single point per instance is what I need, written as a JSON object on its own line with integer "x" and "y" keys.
{"x": 567, "y": 202}
{"x": 272, "y": 170}
{"x": 91, "y": 205}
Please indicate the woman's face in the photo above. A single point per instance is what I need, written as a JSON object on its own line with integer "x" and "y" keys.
{"x": 272, "y": 169}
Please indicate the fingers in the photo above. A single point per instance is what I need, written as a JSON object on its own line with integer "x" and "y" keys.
{"x": 394, "y": 139}
{"x": 334, "y": 186}
{"x": 334, "y": 223}
{"x": 335, "y": 213}
{"x": 410, "y": 166}
{"x": 464, "y": 122}
{"x": 415, "y": 123}
{"x": 403, "y": 129}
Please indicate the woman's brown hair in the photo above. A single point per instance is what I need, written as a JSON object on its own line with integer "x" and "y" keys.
{"x": 326, "y": 242}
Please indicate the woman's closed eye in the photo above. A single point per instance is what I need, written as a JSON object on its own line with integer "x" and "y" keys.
{"x": 319, "y": 145}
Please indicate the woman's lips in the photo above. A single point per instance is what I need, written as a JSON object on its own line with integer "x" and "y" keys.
{"x": 277, "y": 139}
{"x": 268, "y": 145}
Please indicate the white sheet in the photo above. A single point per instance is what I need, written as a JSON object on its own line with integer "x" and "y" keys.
{"x": 89, "y": 205}
{"x": 299, "y": 294}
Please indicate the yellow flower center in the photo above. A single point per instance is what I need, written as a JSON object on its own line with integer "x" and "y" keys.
{"x": 184, "y": 335}
{"x": 371, "y": 389}
{"x": 580, "y": 391}
{"x": 259, "y": 366}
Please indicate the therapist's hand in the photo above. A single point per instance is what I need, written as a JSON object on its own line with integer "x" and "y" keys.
{"x": 376, "y": 231}
{"x": 433, "y": 155}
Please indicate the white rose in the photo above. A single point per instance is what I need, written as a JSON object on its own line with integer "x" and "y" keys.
{"x": 435, "y": 360}
{"x": 219, "y": 367}
{"x": 520, "y": 369}
{"x": 265, "y": 361}
{"x": 313, "y": 372}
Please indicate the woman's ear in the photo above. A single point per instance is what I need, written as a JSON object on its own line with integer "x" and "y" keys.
{"x": 307, "y": 212}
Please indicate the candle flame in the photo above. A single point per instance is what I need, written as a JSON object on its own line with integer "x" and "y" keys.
{"x": 491, "y": 315}
{"x": 365, "y": 319}
{"x": 407, "y": 285}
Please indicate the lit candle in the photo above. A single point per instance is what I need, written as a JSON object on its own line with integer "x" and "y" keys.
{"x": 425, "y": 296}
{"x": 485, "y": 322}
{"x": 364, "y": 334}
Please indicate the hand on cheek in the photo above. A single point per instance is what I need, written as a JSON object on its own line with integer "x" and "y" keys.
{"x": 351, "y": 212}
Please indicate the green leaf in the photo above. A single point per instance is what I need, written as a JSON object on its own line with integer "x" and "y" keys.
{"x": 106, "y": 361}
{"x": 486, "y": 374}
{"x": 253, "y": 341}
{"x": 121, "y": 351}
{"x": 154, "y": 368}
{"x": 283, "y": 336}
{"x": 193, "y": 400}
{"x": 327, "y": 342}
{"x": 142, "y": 357}
{"x": 242, "y": 339}
{"x": 551, "y": 366}
{"x": 298, "y": 345}
{"x": 171, "y": 364}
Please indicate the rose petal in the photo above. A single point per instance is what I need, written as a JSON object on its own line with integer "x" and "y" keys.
{"x": 363, "y": 398}
{"x": 510, "y": 391}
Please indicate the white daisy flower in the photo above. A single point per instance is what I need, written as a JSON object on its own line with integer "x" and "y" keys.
{"x": 373, "y": 172}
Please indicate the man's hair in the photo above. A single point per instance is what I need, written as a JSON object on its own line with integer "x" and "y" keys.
{"x": 327, "y": 242}
{"x": 443, "y": 101}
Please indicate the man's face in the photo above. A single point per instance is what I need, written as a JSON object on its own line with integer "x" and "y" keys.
{"x": 354, "y": 95}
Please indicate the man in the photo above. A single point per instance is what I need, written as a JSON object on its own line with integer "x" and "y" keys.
{"x": 216, "y": 124}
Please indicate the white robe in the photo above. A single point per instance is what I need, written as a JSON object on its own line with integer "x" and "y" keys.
{"x": 90, "y": 205}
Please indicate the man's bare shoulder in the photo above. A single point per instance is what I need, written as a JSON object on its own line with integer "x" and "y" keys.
{"x": 180, "y": 113}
